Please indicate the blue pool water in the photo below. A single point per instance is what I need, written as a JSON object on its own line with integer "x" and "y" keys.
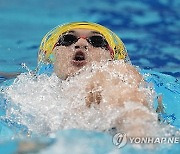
{"x": 149, "y": 29}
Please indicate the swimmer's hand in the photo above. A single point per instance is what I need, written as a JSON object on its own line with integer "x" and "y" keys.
{"x": 93, "y": 98}
{"x": 9, "y": 75}
{"x": 160, "y": 108}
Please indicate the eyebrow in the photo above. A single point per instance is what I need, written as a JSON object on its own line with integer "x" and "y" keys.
{"x": 72, "y": 31}
{"x": 95, "y": 32}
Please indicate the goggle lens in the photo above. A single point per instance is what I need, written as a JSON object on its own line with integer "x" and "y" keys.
{"x": 95, "y": 41}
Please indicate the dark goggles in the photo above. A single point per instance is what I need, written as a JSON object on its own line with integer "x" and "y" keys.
{"x": 95, "y": 40}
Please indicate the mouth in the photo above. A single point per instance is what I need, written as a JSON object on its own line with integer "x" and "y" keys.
{"x": 79, "y": 59}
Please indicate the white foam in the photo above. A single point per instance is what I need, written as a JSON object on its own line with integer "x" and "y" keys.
{"x": 45, "y": 104}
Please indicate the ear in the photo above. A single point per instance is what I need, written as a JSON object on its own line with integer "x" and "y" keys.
{"x": 111, "y": 51}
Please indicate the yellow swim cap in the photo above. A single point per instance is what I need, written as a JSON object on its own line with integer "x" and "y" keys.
{"x": 52, "y": 37}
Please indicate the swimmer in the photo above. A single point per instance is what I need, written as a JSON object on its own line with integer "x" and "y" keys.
{"x": 69, "y": 48}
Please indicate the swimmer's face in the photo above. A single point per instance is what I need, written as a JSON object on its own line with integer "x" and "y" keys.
{"x": 77, "y": 48}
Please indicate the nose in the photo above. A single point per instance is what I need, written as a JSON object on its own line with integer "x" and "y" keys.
{"x": 81, "y": 43}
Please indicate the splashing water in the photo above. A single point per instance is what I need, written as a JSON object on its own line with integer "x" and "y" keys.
{"x": 46, "y": 104}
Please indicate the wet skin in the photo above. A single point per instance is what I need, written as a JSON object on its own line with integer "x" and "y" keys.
{"x": 69, "y": 59}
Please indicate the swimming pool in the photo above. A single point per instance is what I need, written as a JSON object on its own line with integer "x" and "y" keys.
{"x": 150, "y": 31}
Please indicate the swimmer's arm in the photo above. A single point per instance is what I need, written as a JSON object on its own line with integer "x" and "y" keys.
{"x": 137, "y": 122}
{"x": 8, "y": 75}
{"x": 137, "y": 76}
